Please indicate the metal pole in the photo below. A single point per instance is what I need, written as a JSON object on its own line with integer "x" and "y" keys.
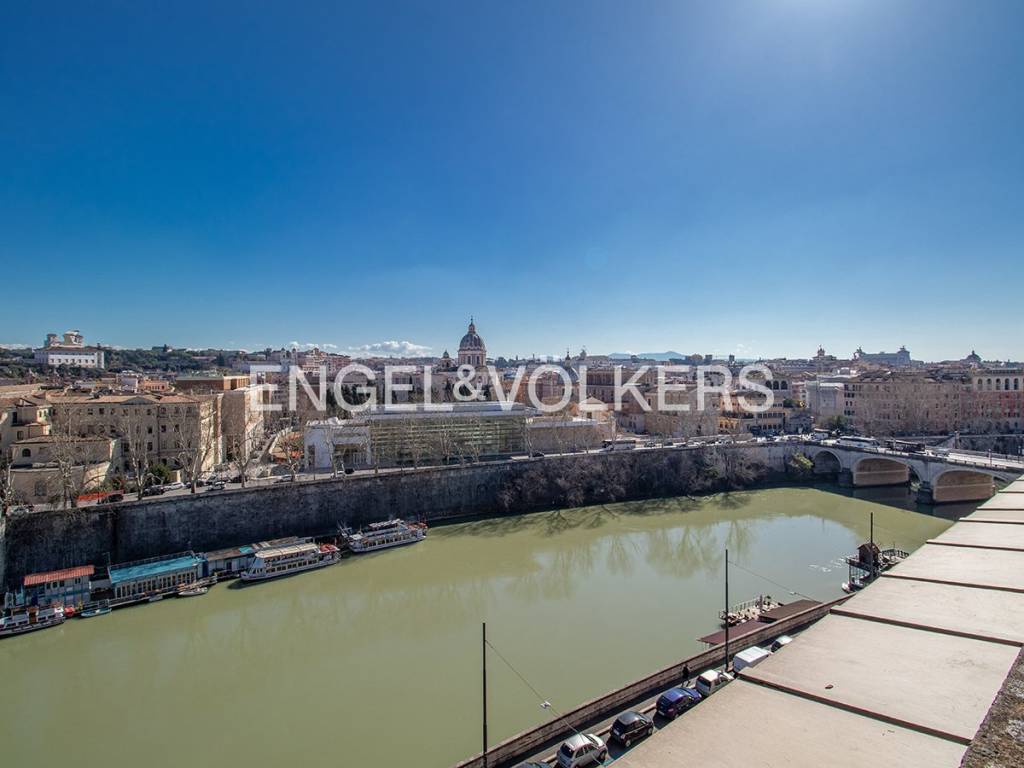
{"x": 874, "y": 560}
{"x": 727, "y": 609}
{"x": 484, "y": 656}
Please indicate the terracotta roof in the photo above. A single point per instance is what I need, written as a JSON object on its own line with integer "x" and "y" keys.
{"x": 67, "y": 573}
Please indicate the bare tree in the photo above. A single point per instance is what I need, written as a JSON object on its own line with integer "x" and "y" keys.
{"x": 196, "y": 444}
{"x": 8, "y": 496}
{"x": 136, "y": 442}
{"x": 68, "y": 453}
{"x": 242, "y": 452}
{"x": 291, "y": 447}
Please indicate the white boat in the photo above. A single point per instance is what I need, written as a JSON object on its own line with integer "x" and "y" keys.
{"x": 272, "y": 562}
{"x": 391, "y": 533}
{"x": 30, "y": 620}
{"x": 194, "y": 591}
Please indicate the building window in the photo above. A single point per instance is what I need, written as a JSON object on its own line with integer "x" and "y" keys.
{"x": 25, "y": 453}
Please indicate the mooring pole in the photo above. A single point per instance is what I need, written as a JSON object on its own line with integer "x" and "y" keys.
{"x": 726, "y": 609}
{"x": 874, "y": 560}
{"x": 484, "y": 658}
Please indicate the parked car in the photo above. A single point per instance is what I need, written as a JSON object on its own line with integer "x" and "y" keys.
{"x": 630, "y": 726}
{"x": 781, "y": 642}
{"x": 580, "y": 750}
{"x": 349, "y": 470}
{"x": 153, "y": 490}
{"x": 112, "y": 498}
{"x": 285, "y": 479}
{"x": 673, "y": 702}
{"x": 711, "y": 681}
{"x": 175, "y": 486}
{"x": 218, "y": 485}
{"x": 537, "y": 455}
{"x": 532, "y": 764}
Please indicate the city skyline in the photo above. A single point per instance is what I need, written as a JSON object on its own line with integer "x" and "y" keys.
{"x": 752, "y": 178}
{"x": 407, "y": 349}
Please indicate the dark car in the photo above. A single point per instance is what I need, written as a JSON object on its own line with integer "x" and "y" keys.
{"x": 630, "y": 726}
{"x": 153, "y": 490}
{"x": 531, "y": 764}
{"x": 112, "y": 498}
{"x": 674, "y": 702}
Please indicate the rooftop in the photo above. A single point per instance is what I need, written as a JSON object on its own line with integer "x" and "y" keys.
{"x": 135, "y": 571}
{"x": 916, "y": 669}
{"x": 33, "y": 579}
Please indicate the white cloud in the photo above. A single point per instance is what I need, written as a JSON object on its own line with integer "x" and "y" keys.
{"x": 390, "y": 349}
{"x": 310, "y": 344}
{"x": 15, "y": 345}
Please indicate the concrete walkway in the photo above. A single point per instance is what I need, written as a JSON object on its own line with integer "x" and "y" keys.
{"x": 912, "y": 671}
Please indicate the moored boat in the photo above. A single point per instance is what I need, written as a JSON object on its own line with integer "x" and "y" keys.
{"x": 390, "y": 533}
{"x": 31, "y": 619}
{"x": 99, "y": 610}
{"x": 194, "y": 591}
{"x": 272, "y": 562}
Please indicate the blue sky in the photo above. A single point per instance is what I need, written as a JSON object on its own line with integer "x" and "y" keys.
{"x": 741, "y": 177}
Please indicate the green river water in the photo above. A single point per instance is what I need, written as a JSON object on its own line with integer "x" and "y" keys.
{"x": 377, "y": 660}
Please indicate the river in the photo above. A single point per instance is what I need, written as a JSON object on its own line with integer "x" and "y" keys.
{"x": 377, "y": 659}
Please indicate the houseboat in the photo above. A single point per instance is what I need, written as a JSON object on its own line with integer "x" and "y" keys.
{"x": 391, "y": 533}
{"x": 272, "y": 562}
{"x": 30, "y": 620}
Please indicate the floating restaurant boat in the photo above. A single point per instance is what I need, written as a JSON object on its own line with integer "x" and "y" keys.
{"x": 30, "y": 620}
{"x": 390, "y": 533}
{"x": 272, "y": 562}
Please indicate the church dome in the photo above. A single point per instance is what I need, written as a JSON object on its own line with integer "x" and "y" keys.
{"x": 471, "y": 340}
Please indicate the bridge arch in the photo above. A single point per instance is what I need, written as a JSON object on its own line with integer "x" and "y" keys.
{"x": 826, "y": 463}
{"x": 881, "y": 470}
{"x": 962, "y": 485}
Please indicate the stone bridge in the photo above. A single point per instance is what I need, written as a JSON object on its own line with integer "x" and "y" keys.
{"x": 942, "y": 477}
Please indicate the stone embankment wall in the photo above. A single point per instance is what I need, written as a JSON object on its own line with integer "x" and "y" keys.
{"x": 49, "y": 540}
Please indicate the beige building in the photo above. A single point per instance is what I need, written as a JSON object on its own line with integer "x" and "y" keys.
{"x": 165, "y": 427}
{"x": 906, "y": 403}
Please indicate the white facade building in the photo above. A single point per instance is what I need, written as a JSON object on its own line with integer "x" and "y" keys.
{"x": 71, "y": 351}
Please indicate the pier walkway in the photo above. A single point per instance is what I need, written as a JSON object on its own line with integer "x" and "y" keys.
{"x": 922, "y": 668}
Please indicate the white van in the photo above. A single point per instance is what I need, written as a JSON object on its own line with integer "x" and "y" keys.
{"x": 749, "y": 658}
{"x": 710, "y": 681}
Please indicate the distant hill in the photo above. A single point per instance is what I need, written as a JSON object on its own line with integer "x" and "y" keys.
{"x": 660, "y": 356}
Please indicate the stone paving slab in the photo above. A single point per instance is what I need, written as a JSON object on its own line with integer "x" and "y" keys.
{"x": 982, "y": 613}
{"x": 995, "y": 516}
{"x": 1017, "y": 486}
{"x": 994, "y": 569}
{"x": 1004, "y": 501}
{"x": 746, "y": 725}
{"x": 926, "y": 680}
{"x": 992, "y": 535}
